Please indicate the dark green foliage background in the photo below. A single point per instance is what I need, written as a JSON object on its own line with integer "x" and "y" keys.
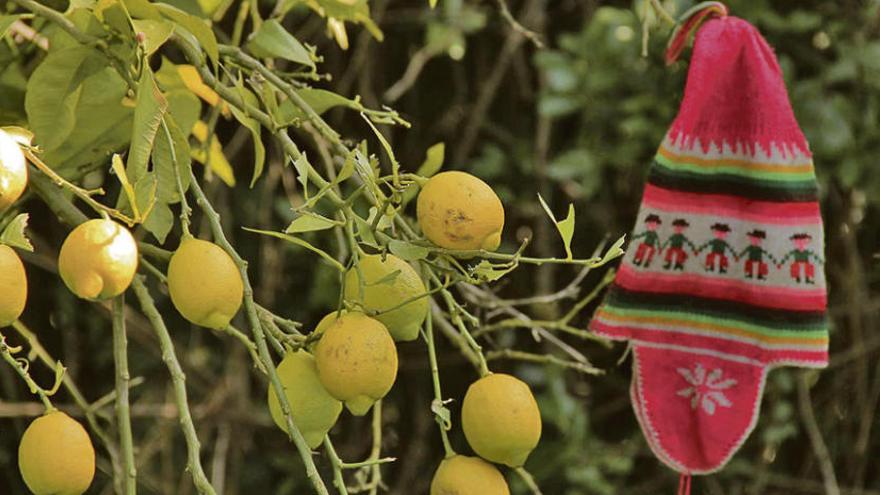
{"x": 577, "y": 122}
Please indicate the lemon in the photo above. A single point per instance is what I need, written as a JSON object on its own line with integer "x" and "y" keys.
{"x": 356, "y": 360}
{"x": 13, "y": 171}
{"x": 463, "y": 475}
{"x": 459, "y": 211}
{"x": 500, "y": 419}
{"x": 56, "y": 456}
{"x": 388, "y": 283}
{"x": 204, "y": 283}
{"x": 313, "y": 409}
{"x": 13, "y": 286}
{"x": 98, "y": 259}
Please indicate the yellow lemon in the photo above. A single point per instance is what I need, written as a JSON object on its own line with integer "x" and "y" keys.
{"x": 459, "y": 211}
{"x": 500, "y": 419}
{"x": 98, "y": 259}
{"x": 13, "y": 286}
{"x": 313, "y": 409}
{"x": 13, "y": 171}
{"x": 463, "y": 475}
{"x": 388, "y": 283}
{"x": 357, "y": 361}
{"x": 204, "y": 283}
{"x": 56, "y": 456}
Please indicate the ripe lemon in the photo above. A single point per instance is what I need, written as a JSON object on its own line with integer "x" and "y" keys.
{"x": 357, "y": 361}
{"x": 13, "y": 171}
{"x": 13, "y": 286}
{"x": 56, "y": 456}
{"x": 459, "y": 211}
{"x": 500, "y": 419}
{"x": 98, "y": 259}
{"x": 313, "y": 409}
{"x": 463, "y": 475}
{"x": 388, "y": 283}
{"x": 204, "y": 283}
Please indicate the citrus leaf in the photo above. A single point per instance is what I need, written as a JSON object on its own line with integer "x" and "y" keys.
{"x": 13, "y": 235}
{"x": 299, "y": 242}
{"x": 272, "y": 40}
{"x": 193, "y": 81}
{"x": 433, "y": 160}
{"x": 149, "y": 110}
{"x": 198, "y": 28}
{"x": 254, "y": 127}
{"x": 156, "y": 33}
{"x": 164, "y": 162}
{"x": 53, "y": 93}
{"x": 310, "y": 222}
{"x": 565, "y": 227}
{"x": 442, "y": 414}
{"x": 159, "y": 222}
{"x": 365, "y": 232}
{"x": 488, "y": 272}
{"x": 407, "y": 251}
{"x": 395, "y": 166}
{"x": 614, "y": 251}
{"x": 302, "y": 173}
{"x": 130, "y": 196}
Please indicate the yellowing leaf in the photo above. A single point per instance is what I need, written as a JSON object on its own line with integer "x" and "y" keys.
{"x": 194, "y": 83}
{"x": 215, "y": 159}
{"x": 337, "y": 30}
{"x": 565, "y": 227}
{"x": 127, "y": 188}
{"x": 13, "y": 235}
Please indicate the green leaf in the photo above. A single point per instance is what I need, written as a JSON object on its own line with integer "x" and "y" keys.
{"x": 442, "y": 414}
{"x": 365, "y": 232}
{"x": 149, "y": 110}
{"x": 320, "y": 100}
{"x": 407, "y": 250}
{"x": 6, "y": 21}
{"x": 272, "y": 40}
{"x": 565, "y": 227}
{"x": 433, "y": 160}
{"x": 299, "y": 242}
{"x": 614, "y": 251}
{"x": 310, "y": 222}
{"x": 159, "y": 222}
{"x": 156, "y": 33}
{"x": 253, "y": 126}
{"x": 488, "y": 272}
{"x": 198, "y": 28}
{"x": 301, "y": 165}
{"x": 163, "y": 162}
{"x": 54, "y": 90}
{"x": 395, "y": 166}
{"x": 13, "y": 235}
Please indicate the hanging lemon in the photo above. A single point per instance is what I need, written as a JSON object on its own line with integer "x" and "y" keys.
{"x": 56, "y": 456}
{"x": 98, "y": 259}
{"x": 459, "y": 211}
{"x": 204, "y": 283}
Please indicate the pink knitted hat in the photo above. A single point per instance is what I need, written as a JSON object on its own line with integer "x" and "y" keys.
{"x": 724, "y": 277}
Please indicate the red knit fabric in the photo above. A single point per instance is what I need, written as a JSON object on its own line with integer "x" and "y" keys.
{"x": 735, "y": 92}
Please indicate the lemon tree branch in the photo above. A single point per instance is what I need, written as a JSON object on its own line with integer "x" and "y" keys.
{"x": 260, "y": 338}
{"x": 178, "y": 380}
{"x": 20, "y": 365}
{"x": 123, "y": 415}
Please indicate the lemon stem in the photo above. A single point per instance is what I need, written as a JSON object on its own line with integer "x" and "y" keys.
{"x": 123, "y": 417}
{"x": 528, "y": 480}
{"x": 185, "y": 210}
{"x": 442, "y": 423}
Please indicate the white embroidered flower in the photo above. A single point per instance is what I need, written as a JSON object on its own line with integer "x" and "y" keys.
{"x": 706, "y": 390}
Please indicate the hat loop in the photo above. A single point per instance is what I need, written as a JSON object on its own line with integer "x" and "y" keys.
{"x": 688, "y": 24}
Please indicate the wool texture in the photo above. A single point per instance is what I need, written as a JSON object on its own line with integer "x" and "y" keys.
{"x": 724, "y": 276}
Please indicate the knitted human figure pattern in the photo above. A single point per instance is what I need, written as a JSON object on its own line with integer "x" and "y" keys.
{"x": 725, "y": 279}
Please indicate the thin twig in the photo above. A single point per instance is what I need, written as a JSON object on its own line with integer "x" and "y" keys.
{"x": 820, "y": 450}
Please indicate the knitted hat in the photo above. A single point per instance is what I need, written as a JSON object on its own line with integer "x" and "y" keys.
{"x": 707, "y": 325}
